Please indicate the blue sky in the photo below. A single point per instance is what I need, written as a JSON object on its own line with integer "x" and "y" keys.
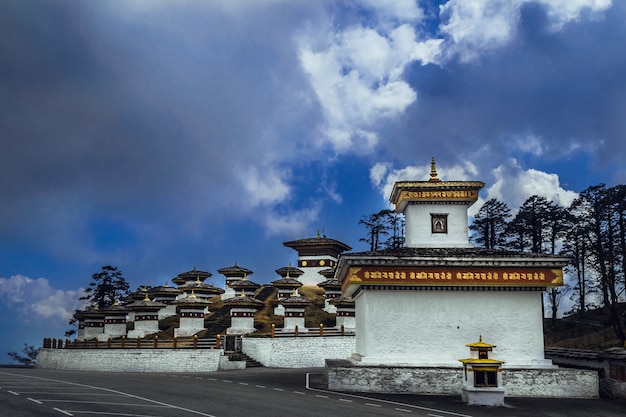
{"x": 157, "y": 136}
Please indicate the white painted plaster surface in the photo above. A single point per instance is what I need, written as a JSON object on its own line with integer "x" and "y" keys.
{"x": 311, "y": 275}
{"x": 167, "y": 311}
{"x": 419, "y": 229}
{"x": 432, "y": 328}
{"x": 144, "y": 328}
{"x": 297, "y": 352}
{"x": 130, "y": 360}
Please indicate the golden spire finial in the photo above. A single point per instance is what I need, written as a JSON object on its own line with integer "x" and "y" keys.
{"x": 146, "y": 298}
{"x": 193, "y": 294}
{"x": 245, "y": 277}
{"x": 243, "y": 293}
{"x": 198, "y": 279}
{"x": 166, "y": 284}
{"x": 433, "y": 171}
{"x": 116, "y": 302}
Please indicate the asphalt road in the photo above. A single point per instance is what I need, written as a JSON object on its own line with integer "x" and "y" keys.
{"x": 252, "y": 392}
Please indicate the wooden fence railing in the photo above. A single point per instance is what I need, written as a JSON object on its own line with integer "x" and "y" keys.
{"x": 153, "y": 342}
{"x": 138, "y": 343}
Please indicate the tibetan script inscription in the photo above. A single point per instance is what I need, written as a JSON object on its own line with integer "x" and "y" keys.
{"x": 458, "y": 276}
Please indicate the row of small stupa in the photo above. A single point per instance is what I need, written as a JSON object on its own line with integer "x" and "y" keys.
{"x": 191, "y": 300}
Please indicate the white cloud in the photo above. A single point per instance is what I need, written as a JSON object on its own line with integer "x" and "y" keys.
{"x": 384, "y": 177}
{"x": 406, "y": 10}
{"x": 293, "y": 224}
{"x": 474, "y": 27}
{"x": 357, "y": 78}
{"x": 35, "y": 298}
{"x": 529, "y": 143}
{"x": 513, "y": 186}
{"x": 265, "y": 186}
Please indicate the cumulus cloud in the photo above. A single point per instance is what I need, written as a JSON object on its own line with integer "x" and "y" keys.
{"x": 293, "y": 224}
{"x": 357, "y": 76}
{"x": 474, "y": 27}
{"x": 383, "y": 176}
{"x": 513, "y": 185}
{"x": 37, "y": 299}
{"x": 267, "y": 187}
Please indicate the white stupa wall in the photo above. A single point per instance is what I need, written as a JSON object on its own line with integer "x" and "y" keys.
{"x": 242, "y": 325}
{"x": 228, "y": 293}
{"x": 432, "y": 328}
{"x": 419, "y": 229}
{"x": 348, "y": 322}
{"x": 143, "y": 328}
{"x": 311, "y": 275}
{"x": 114, "y": 329}
{"x": 167, "y": 311}
{"x": 291, "y": 323}
{"x": 92, "y": 330}
{"x": 188, "y": 326}
{"x": 328, "y": 307}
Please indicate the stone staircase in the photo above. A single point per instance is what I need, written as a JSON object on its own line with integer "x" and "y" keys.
{"x": 250, "y": 362}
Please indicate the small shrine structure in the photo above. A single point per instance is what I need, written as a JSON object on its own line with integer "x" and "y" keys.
{"x": 167, "y": 295}
{"x": 242, "y": 310}
{"x": 482, "y": 376}
{"x": 316, "y": 254}
{"x": 286, "y": 286}
{"x": 191, "y": 310}
{"x": 231, "y": 274}
{"x": 244, "y": 285}
{"x": 114, "y": 321}
{"x": 92, "y": 322}
{"x": 332, "y": 289}
{"x": 146, "y": 313}
{"x": 294, "y": 313}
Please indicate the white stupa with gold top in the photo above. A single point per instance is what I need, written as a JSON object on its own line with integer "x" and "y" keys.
{"x": 417, "y": 306}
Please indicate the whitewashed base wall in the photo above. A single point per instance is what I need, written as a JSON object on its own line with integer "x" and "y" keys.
{"x": 298, "y": 352}
{"x": 130, "y": 360}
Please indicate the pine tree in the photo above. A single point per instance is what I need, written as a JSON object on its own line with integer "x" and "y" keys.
{"x": 107, "y": 286}
{"x": 490, "y": 224}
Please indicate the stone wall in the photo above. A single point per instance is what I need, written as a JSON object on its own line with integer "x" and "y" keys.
{"x": 130, "y": 360}
{"x": 297, "y": 352}
{"x": 343, "y": 376}
{"x": 539, "y": 383}
{"x": 551, "y": 383}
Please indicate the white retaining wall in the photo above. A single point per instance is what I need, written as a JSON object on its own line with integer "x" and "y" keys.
{"x": 130, "y": 360}
{"x": 297, "y": 352}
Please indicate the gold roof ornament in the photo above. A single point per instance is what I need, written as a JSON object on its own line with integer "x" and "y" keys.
{"x": 193, "y": 294}
{"x": 433, "y": 171}
{"x": 480, "y": 344}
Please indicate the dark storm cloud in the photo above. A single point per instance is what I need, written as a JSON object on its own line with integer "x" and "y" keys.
{"x": 565, "y": 87}
{"x": 137, "y": 116}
